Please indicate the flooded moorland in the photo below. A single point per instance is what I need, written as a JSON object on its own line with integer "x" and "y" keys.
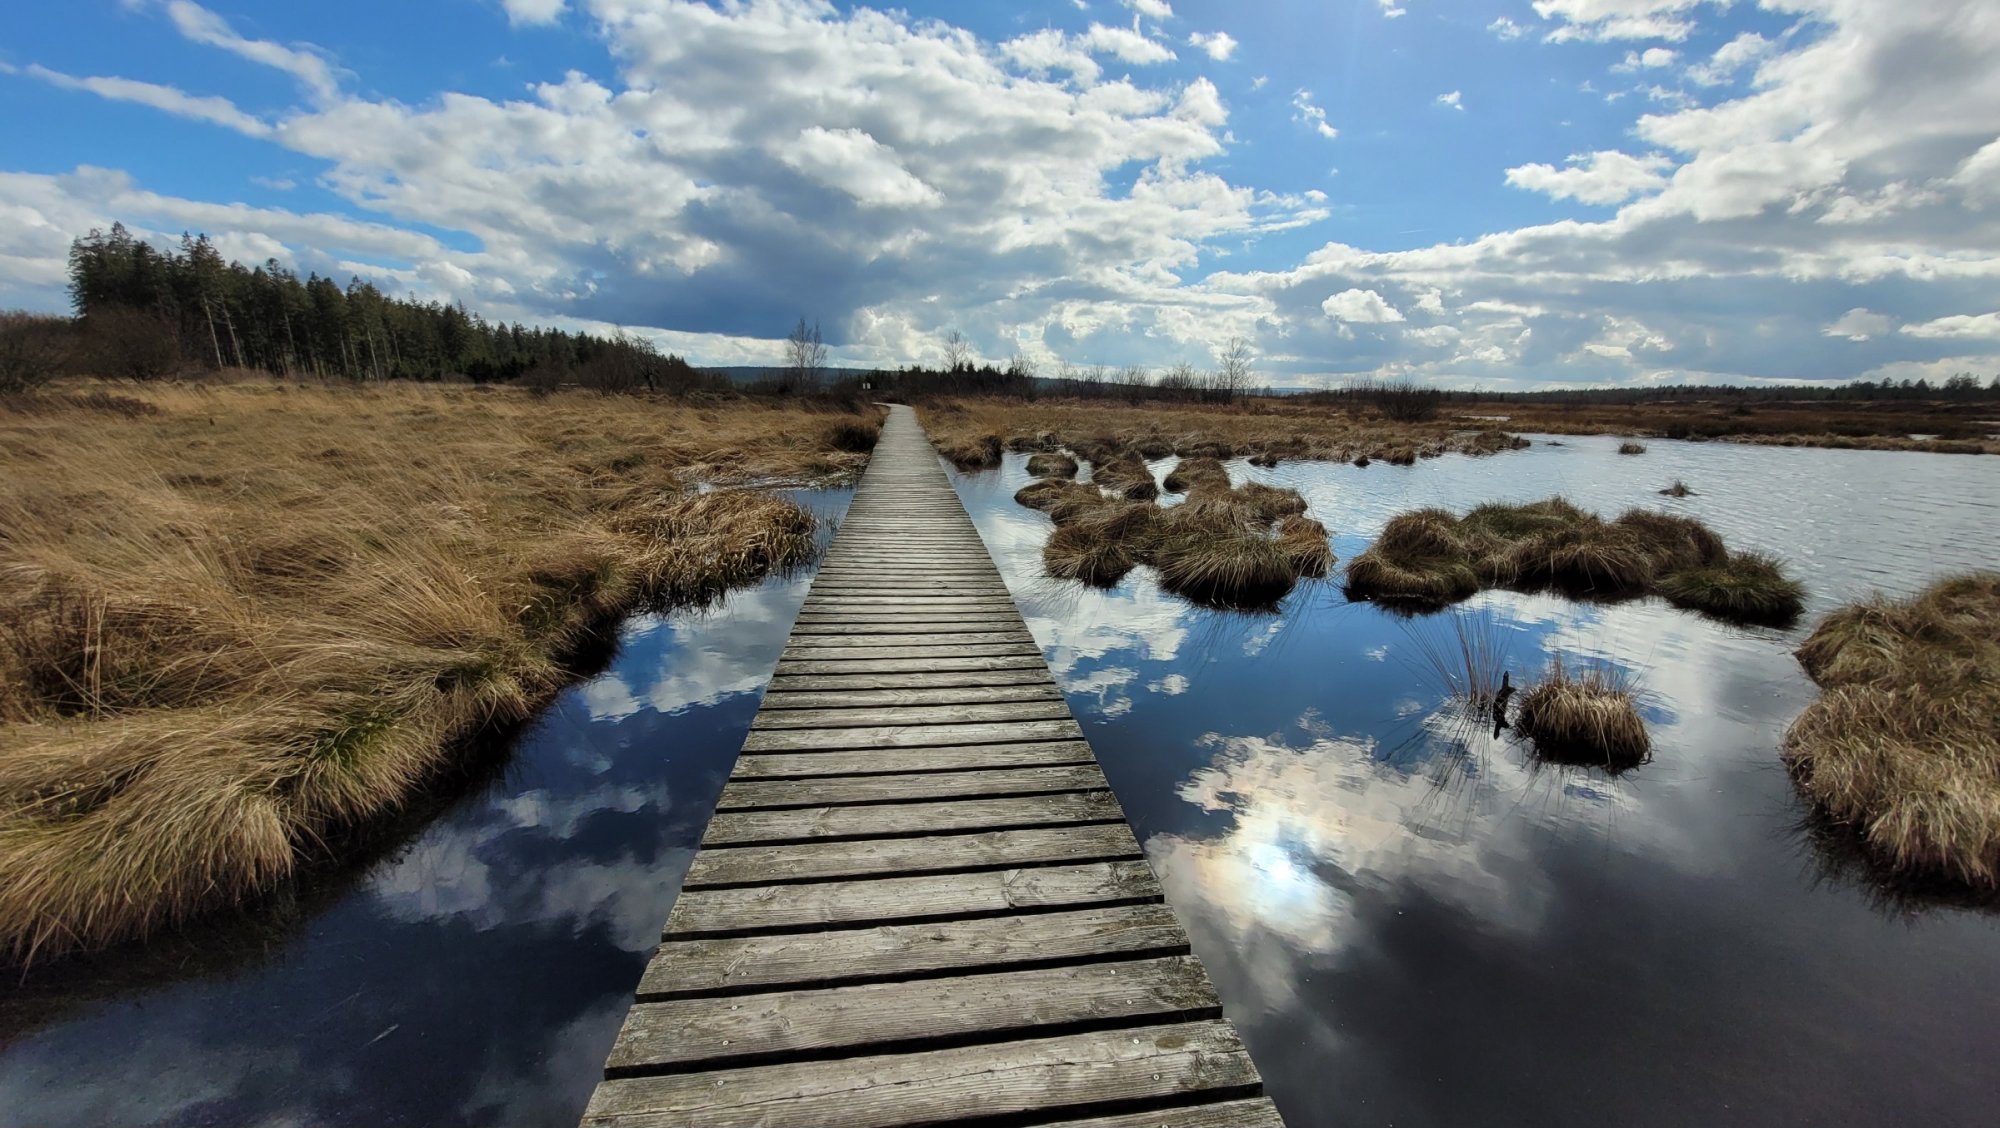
{"x": 1413, "y": 922}
{"x": 477, "y": 972}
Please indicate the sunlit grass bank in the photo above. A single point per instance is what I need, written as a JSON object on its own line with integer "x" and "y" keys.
{"x": 237, "y": 620}
{"x": 1903, "y": 743}
{"x": 1431, "y": 557}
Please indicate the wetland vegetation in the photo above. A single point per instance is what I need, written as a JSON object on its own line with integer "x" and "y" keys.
{"x": 1903, "y": 743}
{"x": 1432, "y": 557}
{"x": 237, "y": 619}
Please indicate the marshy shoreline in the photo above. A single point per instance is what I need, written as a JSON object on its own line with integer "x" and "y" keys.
{"x": 245, "y": 623}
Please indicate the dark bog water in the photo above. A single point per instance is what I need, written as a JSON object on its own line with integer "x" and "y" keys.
{"x": 1414, "y": 925}
{"x": 477, "y": 975}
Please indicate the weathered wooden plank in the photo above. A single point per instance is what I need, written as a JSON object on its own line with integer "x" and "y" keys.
{"x": 992, "y": 1005}
{"x": 850, "y": 641}
{"x": 779, "y": 698}
{"x": 1255, "y": 1112}
{"x": 909, "y": 651}
{"x": 771, "y": 908}
{"x": 763, "y": 962}
{"x": 890, "y": 857}
{"x": 922, "y": 664}
{"x": 797, "y": 824}
{"x": 1035, "y": 673}
{"x": 740, "y": 795}
{"x": 910, "y": 736}
{"x": 886, "y": 1090}
{"x": 946, "y": 619}
{"x": 957, "y": 757}
{"x": 878, "y": 603}
{"x": 851, "y": 716}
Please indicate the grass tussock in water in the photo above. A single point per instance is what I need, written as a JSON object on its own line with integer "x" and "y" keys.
{"x": 1903, "y": 743}
{"x": 1678, "y": 489}
{"x": 1048, "y": 464}
{"x": 235, "y": 626}
{"x": 1431, "y": 557}
{"x": 1747, "y": 587}
{"x": 1631, "y": 448}
{"x": 1242, "y": 547}
{"x": 1587, "y": 717}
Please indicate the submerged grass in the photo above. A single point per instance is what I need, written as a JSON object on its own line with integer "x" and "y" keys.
{"x": 1903, "y": 744}
{"x": 1430, "y": 557}
{"x": 240, "y": 624}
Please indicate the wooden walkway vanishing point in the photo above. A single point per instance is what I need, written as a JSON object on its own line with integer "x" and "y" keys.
{"x": 918, "y": 902}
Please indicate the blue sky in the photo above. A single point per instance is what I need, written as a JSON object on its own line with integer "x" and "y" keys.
{"x": 1511, "y": 193}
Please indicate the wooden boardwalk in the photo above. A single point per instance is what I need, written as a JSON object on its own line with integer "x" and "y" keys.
{"x": 918, "y": 902}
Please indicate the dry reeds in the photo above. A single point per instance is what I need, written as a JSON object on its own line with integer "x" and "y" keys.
{"x": 978, "y": 452}
{"x": 1052, "y": 464}
{"x": 1236, "y": 548}
{"x": 1903, "y": 743}
{"x": 1097, "y": 431}
{"x": 1192, "y": 472}
{"x": 1126, "y": 475}
{"x": 1588, "y": 717}
{"x": 1429, "y": 558}
{"x": 262, "y": 614}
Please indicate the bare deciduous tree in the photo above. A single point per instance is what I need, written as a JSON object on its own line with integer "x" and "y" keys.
{"x": 957, "y": 353}
{"x": 33, "y": 348}
{"x": 805, "y": 357}
{"x": 1232, "y": 375}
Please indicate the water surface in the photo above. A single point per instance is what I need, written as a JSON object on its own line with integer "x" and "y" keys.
{"x": 1413, "y": 924}
{"x": 478, "y": 973}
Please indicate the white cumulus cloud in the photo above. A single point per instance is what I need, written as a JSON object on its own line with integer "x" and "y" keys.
{"x": 1362, "y": 307}
{"x": 1603, "y": 177}
{"x": 1219, "y": 45}
{"x": 1858, "y": 325}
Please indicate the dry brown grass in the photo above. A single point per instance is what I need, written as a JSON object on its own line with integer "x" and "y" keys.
{"x": 1884, "y": 425}
{"x": 267, "y": 613}
{"x": 1048, "y": 464}
{"x": 1904, "y": 743}
{"x": 1429, "y": 557}
{"x": 971, "y": 432}
{"x": 1584, "y": 717}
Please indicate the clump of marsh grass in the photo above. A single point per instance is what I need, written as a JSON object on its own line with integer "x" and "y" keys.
{"x": 1126, "y": 475}
{"x": 981, "y": 452}
{"x": 1221, "y": 565}
{"x": 1746, "y": 587}
{"x": 1303, "y": 544}
{"x": 1227, "y": 547}
{"x": 1429, "y": 557}
{"x": 1631, "y": 448}
{"x": 1586, "y": 717}
{"x": 1192, "y": 472}
{"x": 1678, "y": 489}
{"x": 1903, "y": 744}
{"x": 1052, "y": 464}
{"x": 239, "y": 625}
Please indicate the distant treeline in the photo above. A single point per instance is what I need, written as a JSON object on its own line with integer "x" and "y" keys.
{"x": 143, "y": 313}
{"x": 1963, "y": 385}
